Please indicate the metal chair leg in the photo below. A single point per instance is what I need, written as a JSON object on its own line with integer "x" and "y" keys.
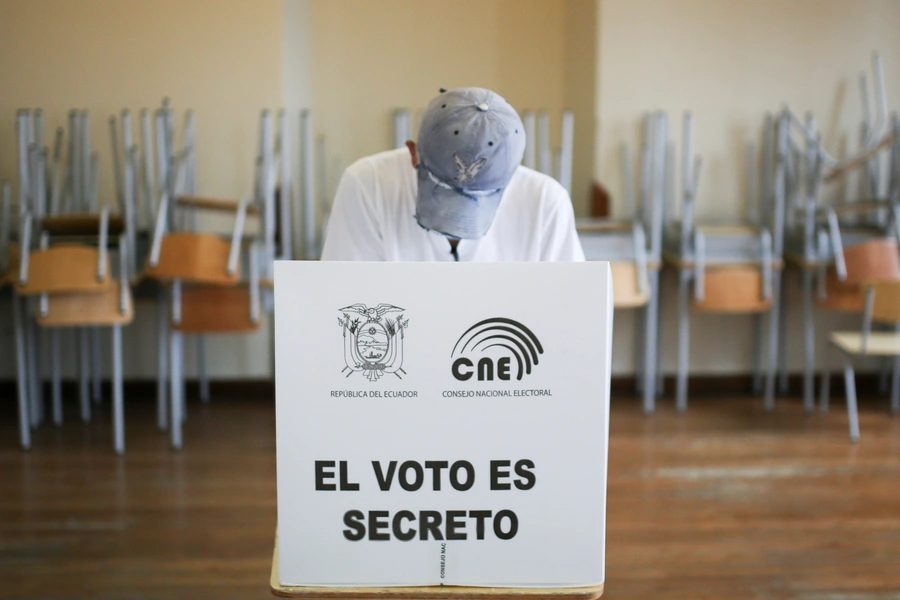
{"x": 33, "y": 371}
{"x": 162, "y": 374}
{"x": 21, "y": 373}
{"x": 852, "y": 415}
{"x": 56, "y": 378}
{"x": 177, "y": 388}
{"x": 758, "y": 349}
{"x": 118, "y": 400}
{"x": 684, "y": 317}
{"x": 651, "y": 354}
{"x": 84, "y": 375}
{"x": 640, "y": 359}
{"x": 201, "y": 367}
{"x": 809, "y": 343}
{"x": 96, "y": 392}
{"x": 772, "y": 360}
{"x": 782, "y": 343}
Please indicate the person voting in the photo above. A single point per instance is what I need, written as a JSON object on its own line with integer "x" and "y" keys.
{"x": 457, "y": 194}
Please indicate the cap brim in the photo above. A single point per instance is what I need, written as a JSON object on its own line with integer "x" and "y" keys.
{"x": 452, "y": 213}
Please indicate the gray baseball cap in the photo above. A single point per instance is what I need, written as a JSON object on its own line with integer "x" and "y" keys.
{"x": 471, "y": 141}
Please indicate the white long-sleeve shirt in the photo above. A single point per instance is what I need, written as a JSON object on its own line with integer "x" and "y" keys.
{"x": 373, "y": 218}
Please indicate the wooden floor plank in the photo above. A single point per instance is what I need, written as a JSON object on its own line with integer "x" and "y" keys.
{"x": 723, "y": 502}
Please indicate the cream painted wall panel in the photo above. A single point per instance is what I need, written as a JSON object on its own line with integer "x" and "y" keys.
{"x": 221, "y": 58}
{"x": 530, "y": 67}
{"x": 296, "y": 68}
{"x": 580, "y": 70}
{"x": 372, "y": 57}
{"x": 729, "y": 62}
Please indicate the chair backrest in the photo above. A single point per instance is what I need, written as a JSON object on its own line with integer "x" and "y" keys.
{"x": 208, "y": 309}
{"x": 733, "y": 289}
{"x": 874, "y": 260}
{"x": 886, "y": 301}
{"x": 839, "y": 295}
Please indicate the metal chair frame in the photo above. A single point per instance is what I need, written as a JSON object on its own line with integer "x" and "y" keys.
{"x": 628, "y": 241}
{"x": 817, "y": 233}
{"x": 692, "y": 248}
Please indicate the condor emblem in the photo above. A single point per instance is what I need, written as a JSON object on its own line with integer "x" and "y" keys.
{"x": 373, "y": 343}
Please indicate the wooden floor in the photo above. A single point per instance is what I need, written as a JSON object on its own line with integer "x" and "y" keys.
{"x": 724, "y": 502}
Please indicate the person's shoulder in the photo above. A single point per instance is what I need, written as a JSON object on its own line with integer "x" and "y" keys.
{"x": 539, "y": 188}
{"x": 381, "y": 162}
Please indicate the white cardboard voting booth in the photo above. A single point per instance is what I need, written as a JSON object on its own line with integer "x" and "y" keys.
{"x": 442, "y": 423}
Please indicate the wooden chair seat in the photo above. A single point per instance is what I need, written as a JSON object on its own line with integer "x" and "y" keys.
{"x": 81, "y": 310}
{"x": 65, "y": 269}
{"x": 194, "y": 258}
{"x": 733, "y": 289}
{"x": 879, "y": 344}
{"x": 215, "y": 309}
{"x": 875, "y": 260}
{"x": 626, "y": 293}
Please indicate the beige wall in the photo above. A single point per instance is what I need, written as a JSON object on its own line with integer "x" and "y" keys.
{"x": 354, "y": 61}
{"x": 221, "y": 58}
{"x": 580, "y": 93}
{"x": 729, "y": 62}
{"x": 373, "y": 57}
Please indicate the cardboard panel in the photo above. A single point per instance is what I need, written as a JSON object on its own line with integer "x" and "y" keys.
{"x": 442, "y": 424}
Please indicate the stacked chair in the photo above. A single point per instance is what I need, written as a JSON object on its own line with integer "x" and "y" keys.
{"x": 882, "y": 303}
{"x": 839, "y": 249}
{"x": 634, "y": 256}
{"x": 201, "y": 272}
{"x": 730, "y": 267}
{"x": 64, "y": 277}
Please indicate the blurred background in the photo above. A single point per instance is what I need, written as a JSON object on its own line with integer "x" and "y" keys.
{"x": 354, "y": 62}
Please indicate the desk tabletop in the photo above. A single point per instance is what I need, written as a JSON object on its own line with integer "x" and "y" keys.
{"x": 434, "y": 592}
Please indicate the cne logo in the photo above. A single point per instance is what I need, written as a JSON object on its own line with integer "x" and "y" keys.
{"x": 495, "y": 348}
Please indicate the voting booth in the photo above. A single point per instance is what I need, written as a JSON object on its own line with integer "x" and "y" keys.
{"x": 442, "y": 424}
